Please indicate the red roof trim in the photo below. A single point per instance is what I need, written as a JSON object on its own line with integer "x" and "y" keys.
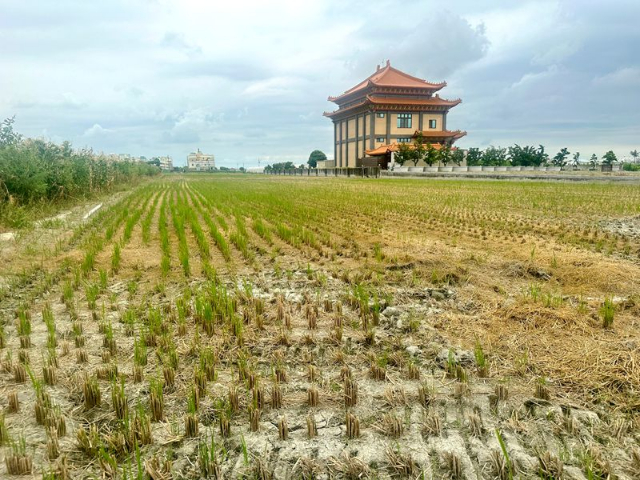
{"x": 377, "y": 79}
{"x": 455, "y": 134}
{"x": 436, "y": 100}
{"x": 400, "y": 102}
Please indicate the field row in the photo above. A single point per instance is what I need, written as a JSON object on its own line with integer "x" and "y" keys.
{"x": 273, "y": 328}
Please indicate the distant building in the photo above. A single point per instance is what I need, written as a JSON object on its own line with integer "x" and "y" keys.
{"x": 324, "y": 164}
{"x": 120, "y": 157}
{"x": 166, "y": 163}
{"x": 388, "y": 108}
{"x": 200, "y": 161}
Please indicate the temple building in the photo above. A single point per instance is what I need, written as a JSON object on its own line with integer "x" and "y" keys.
{"x": 388, "y": 108}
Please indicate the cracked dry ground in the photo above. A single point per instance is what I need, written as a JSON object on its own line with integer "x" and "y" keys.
{"x": 269, "y": 328}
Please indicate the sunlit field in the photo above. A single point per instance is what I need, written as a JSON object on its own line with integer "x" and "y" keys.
{"x": 273, "y": 327}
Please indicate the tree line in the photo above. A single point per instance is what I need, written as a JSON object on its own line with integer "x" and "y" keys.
{"x": 530, "y": 156}
{"x": 36, "y": 170}
{"x": 315, "y": 157}
{"x": 516, "y": 155}
{"x": 427, "y": 152}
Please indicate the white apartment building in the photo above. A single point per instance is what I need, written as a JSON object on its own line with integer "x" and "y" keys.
{"x": 200, "y": 161}
{"x": 166, "y": 163}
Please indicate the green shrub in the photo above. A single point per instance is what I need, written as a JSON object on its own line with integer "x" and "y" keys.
{"x": 631, "y": 167}
{"x": 35, "y": 171}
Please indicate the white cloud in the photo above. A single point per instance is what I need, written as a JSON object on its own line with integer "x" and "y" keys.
{"x": 626, "y": 77}
{"x": 272, "y": 87}
{"x": 249, "y": 80}
{"x": 96, "y": 131}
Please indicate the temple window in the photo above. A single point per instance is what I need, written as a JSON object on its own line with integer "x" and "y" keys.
{"x": 432, "y": 123}
{"x": 404, "y": 120}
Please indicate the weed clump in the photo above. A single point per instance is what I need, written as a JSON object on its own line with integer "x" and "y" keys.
{"x": 607, "y": 311}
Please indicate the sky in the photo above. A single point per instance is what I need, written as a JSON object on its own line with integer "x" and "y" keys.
{"x": 248, "y": 80}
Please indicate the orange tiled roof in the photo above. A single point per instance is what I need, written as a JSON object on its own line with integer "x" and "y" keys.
{"x": 393, "y": 147}
{"x": 454, "y": 134}
{"x": 391, "y": 77}
{"x": 435, "y": 101}
{"x": 342, "y": 110}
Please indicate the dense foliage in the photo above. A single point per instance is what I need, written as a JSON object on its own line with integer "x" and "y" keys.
{"x": 516, "y": 155}
{"x": 422, "y": 150}
{"x": 609, "y": 158}
{"x": 315, "y": 157}
{"x": 280, "y": 166}
{"x": 33, "y": 170}
{"x": 631, "y": 167}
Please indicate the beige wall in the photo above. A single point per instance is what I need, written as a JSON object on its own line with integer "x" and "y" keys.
{"x": 380, "y": 126}
{"x": 351, "y": 126}
{"x": 352, "y": 154}
{"x": 322, "y": 164}
{"x": 357, "y": 148}
{"x": 377, "y": 144}
{"x": 438, "y": 117}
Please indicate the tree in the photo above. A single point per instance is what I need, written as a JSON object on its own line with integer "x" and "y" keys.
{"x": 154, "y": 161}
{"x": 404, "y": 154}
{"x": 560, "y": 160}
{"x": 280, "y": 166}
{"x": 494, "y": 156}
{"x": 593, "y": 161}
{"x": 635, "y": 155}
{"x": 609, "y": 158}
{"x": 66, "y": 149}
{"x": 315, "y": 157}
{"x": 576, "y": 159}
{"x": 7, "y": 136}
{"x": 541, "y": 157}
{"x": 444, "y": 154}
{"x": 431, "y": 155}
{"x": 457, "y": 156}
{"x": 419, "y": 148}
{"x": 523, "y": 156}
{"x": 411, "y": 152}
{"x": 474, "y": 157}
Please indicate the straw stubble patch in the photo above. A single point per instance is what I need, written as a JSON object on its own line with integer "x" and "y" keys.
{"x": 245, "y": 320}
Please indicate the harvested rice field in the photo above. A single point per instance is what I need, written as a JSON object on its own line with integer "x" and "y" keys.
{"x": 211, "y": 326}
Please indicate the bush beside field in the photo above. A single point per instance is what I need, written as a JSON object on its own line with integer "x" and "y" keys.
{"x": 35, "y": 173}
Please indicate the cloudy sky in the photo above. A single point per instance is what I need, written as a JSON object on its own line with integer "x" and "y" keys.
{"x": 248, "y": 80}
